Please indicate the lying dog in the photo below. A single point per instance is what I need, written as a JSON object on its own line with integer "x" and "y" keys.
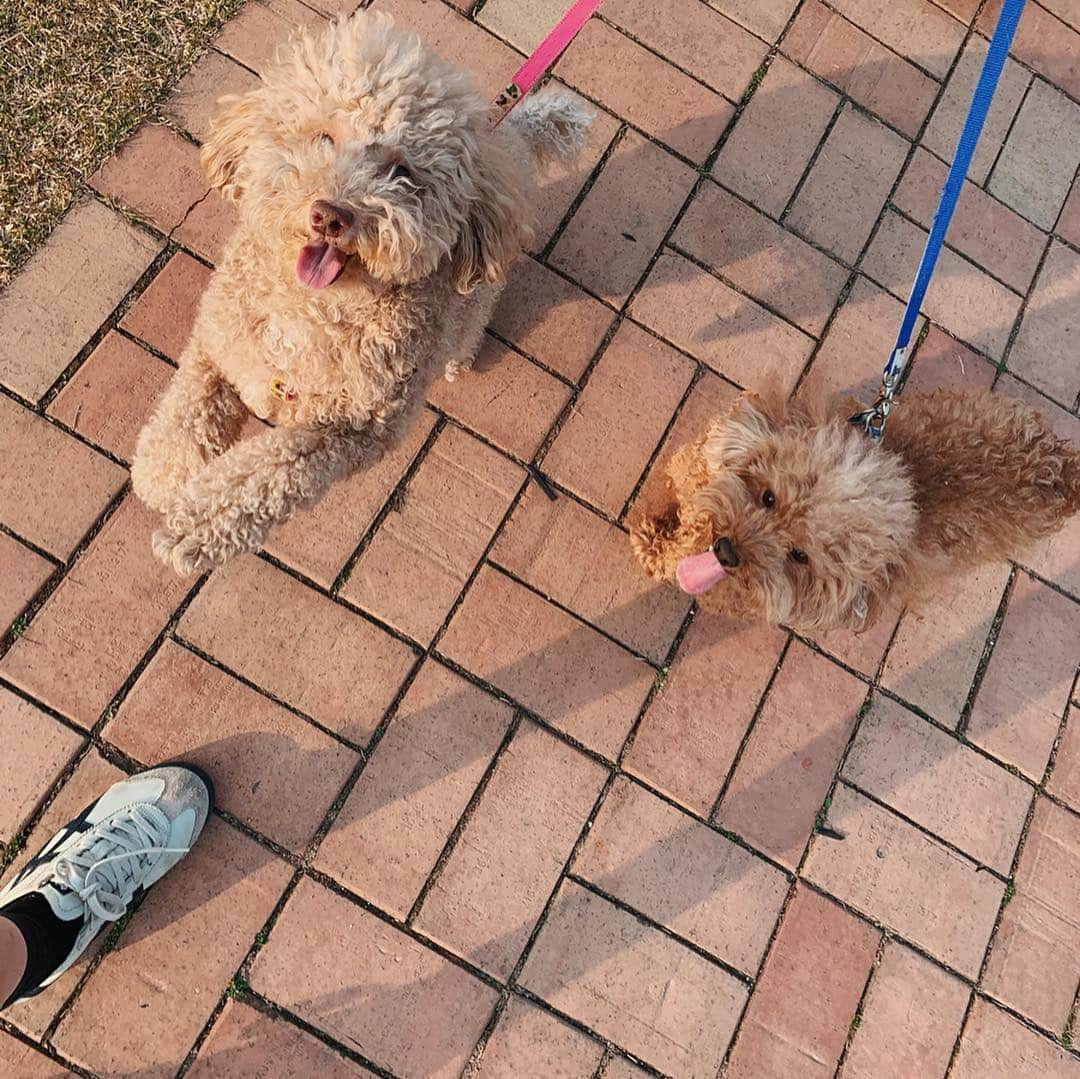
{"x": 782, "y": 515}
{"x": 379, "y": 213}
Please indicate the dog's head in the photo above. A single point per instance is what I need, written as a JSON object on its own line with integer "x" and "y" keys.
{"x": 363, "y": 146}
{"x": 805, "y": 518}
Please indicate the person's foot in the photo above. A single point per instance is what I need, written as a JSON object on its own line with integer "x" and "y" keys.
{"x": 89, "y": 872}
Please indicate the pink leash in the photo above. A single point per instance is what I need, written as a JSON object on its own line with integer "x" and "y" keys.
{"x": 546, "y": 53}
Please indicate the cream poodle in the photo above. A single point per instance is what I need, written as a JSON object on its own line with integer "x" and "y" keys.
{"x": 379, "y": 213}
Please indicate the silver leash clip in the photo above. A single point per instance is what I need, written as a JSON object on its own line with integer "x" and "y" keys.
{"x": 873, "y": 419}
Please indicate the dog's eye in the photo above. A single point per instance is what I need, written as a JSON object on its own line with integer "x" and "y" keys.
{"x": 799, "y": 556}
{"x": 324, "y": 138}
{"x": 768, "y": 499}
{"x": 398, "y": 172}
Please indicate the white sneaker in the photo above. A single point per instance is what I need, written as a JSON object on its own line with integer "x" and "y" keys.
{"x": 113, "y": 851}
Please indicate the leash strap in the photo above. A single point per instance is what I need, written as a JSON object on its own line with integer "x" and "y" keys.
{"x": 544, "y": 55}
{"x": 873, "y": 419}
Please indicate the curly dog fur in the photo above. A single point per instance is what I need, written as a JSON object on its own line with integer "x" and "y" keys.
{"x": 379, "y": 214}
{"x": 822, "y": 524}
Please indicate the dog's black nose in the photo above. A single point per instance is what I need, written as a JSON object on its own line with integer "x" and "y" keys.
{"x": 725, "y": 553}
{"x": 329, "y": 219}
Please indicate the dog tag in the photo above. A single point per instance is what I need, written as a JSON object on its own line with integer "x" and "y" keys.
{"x": 279, "y": 389}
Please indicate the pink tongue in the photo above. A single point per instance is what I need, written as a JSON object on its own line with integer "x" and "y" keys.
{"x": 699, "y": 572}
{"x": 319, "y": 265}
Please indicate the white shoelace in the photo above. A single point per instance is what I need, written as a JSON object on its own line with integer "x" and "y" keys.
{"x": 108, "y": 864}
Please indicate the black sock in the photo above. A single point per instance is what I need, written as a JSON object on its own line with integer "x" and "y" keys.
{"x": 49, "y": 939}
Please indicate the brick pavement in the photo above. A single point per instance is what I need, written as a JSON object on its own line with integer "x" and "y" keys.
{"x": 534, "y": 817}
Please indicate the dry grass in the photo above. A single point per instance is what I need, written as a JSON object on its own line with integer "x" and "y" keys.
{"x": 75, "y": 77}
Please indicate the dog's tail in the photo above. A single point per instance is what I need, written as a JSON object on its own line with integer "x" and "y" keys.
{"x": 555, "y": 124}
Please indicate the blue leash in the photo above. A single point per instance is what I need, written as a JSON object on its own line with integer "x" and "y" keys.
{"x": 873, "y": 419}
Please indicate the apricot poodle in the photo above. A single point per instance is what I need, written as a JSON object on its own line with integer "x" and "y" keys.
{"x": 379, "y": 213}
{"x": 780, "y": 513}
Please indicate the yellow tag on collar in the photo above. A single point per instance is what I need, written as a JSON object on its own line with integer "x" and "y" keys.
{"x": 279, "y": 389}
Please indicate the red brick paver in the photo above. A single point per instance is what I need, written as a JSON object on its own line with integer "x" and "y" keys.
{"x": 581, "y": 561}
{"x": 193, "y": 102}
{"x": 652, "y": 94}
{"x": 879, "y": 80}
{"x": 603, "y": 448}
{"x": 275, "y": 772}
{"x": 559, "y": 668}
{"x": 417, "y": 783}
{"x": 156, "y": 174}
{"x": 1023, "y": 697}
{"x": 692, "y": 730}
{"x": 245, "y": 1041}
{"x": 527, "y": 1038}
{"x": 1065, "y": 778}
{"x": 760, "y": 258}
{"x": 257, "y": 30}
{"x": 1036, "y": 166}
{"x": 632, "y": 984}
{"x": 1033, "y": 964}
{"x": 997, "y": 1046}
{"x": 505, "y": 398}
{"x": 415, "y": 567}
{"x": 962, "y": 298}
{"x": 164, "y": 314}
{"x": 613, "y": 234}
{"x": 732, "y": 334}
{"x": 939, "y": 783}
{"x": 38, "y": 747}
{"x": 948, "y": 117}
{"x": 1043, "y": 352}
{"x": 848, "y": 184}
{"x": 368, "y": 984}
{"x": 798, "y": 1019}
{"x": 984, "y": 229}
{"x": 491, "y": 801}
{"x": 113, "y": 394}
{"x": 319, "y": 541}
{"x": 87, "y": 638}
{"x": 313, "y": 654}
{"x": 24, "y": 573}
{"x": 775, "y": 137}
{"x": 884, "y": 867}
{"x": 792, "y": 752}
{"x": 487, "y": 898}
{"x": 550, "y": 319}
{"x": 910, "y": 1018}
{"x": 70, "y": 286}
{"x": 727, "y": 901}
{"x": 43, "y": 462}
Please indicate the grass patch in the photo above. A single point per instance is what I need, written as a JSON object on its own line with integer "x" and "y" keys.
{"x": 237, "y": 987}
{"x": 822, "y": 813}
{"x": 77, "y": 76}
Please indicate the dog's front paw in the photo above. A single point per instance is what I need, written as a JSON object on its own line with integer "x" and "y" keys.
{"x": 185, "y": 552}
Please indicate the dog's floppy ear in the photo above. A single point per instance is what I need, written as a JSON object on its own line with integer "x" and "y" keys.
{"x": 230, "y": 137}
{"x": 735, "y": 434}
{"x": 499, "y": 224}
